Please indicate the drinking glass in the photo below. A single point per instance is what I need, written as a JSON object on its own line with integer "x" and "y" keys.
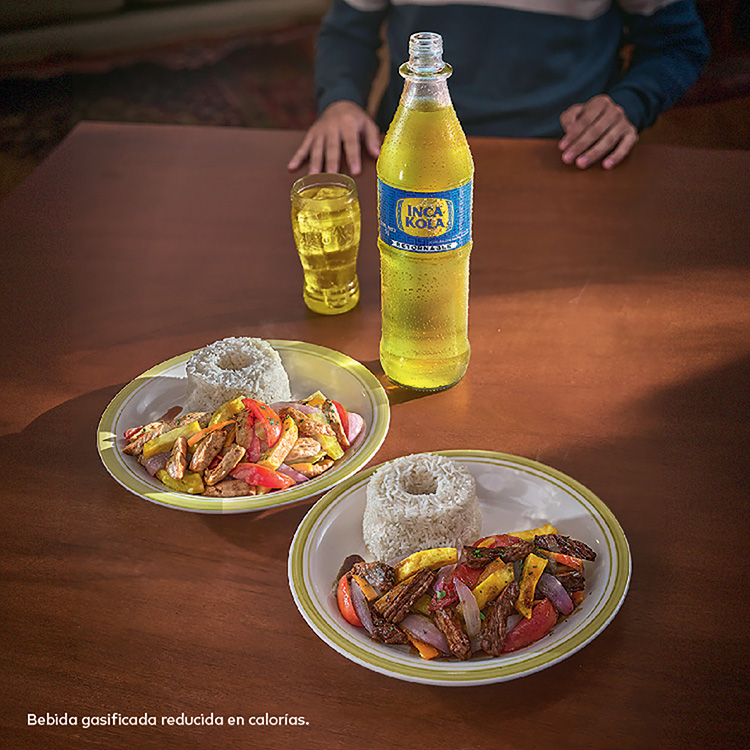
{"x": 326, "y": 226}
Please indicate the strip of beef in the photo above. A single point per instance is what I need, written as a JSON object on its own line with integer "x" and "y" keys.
{"x": 231, "y": 458}
{"x": 230, "y": 488}
{"x": 387, "y": 632}
{"x": 573, "y": 581}
{"x": 138, "y": 439}
{"x": 207, "y": 450}
{"x": 450, "y": 626}
{"x": 397, "y": 603}
{"x": 178, "y": 459}
{"x": 495, "y": 624}
{"x": 306, "y": 426}
{"x": 479, "y": 557}
{"x": 380, "y": 576}
{"x": 313, "y": 470}
{"x": 244, "y": 434}
{"x": 331, "y": 413}
{"x": 305, "y": 449}
{"x": 565, "y": 545}
{"x": 201, "y": 417}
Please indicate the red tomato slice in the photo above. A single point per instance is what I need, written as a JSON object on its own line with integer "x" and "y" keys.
{"x": 262, "y": 476}
{"x": 467, "y": 575}
{"x": 343, "y": 416}
{"x": 267, "y": 417}
{"x": 346, "y": 607}
{"x": 542, "y": 620}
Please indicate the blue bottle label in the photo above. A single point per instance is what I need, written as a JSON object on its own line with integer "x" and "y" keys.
{"x": 425, "y": 222}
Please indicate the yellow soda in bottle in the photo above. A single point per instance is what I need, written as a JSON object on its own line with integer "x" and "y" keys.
{"x": 425, "y": 183}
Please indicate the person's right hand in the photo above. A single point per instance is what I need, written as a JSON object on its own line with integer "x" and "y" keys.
{"x": 341, "y": 124}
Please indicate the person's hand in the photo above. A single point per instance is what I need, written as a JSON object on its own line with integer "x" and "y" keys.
{"x": 596, "y": 131}
{"x": 342, "y": 124}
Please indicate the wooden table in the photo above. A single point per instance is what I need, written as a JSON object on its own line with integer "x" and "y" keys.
{"x": 609, "y": 330}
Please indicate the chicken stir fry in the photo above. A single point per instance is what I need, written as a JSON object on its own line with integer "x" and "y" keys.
{"x": 245, "y": 447}
{"x": 497, "y": 596}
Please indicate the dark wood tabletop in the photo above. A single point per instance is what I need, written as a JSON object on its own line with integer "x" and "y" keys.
{"x": 609, "y": 325}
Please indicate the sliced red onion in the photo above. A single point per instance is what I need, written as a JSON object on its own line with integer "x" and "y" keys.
{"x": 424, "y": 629}
{"x": 290, "y": 472}
{"x": 356, "y": 423}
{"x": 359, "y": 601}
{"x": 304, "y": 408}
{"x": 469, "y": 609}
{"x": 156, "y": 462}
{"x": 549, "y": 586}
{"x": 443, "y": 577}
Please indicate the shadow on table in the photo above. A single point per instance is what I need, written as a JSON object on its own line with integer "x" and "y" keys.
{"x": 699, "y": 426}
{"x": 679, "y": 490}
{"x": 397, "y": 394}
{"x": 704, "y": 413}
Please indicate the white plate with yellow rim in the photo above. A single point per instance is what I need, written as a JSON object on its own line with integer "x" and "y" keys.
{"x": 514, "y": 494}
{"x": 310, "y": 368}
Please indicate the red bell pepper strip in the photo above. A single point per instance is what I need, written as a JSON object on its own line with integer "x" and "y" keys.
{"x": 267, "y": 418}
{"x": 261, "y": 476}
{"x": 346, "y": 606}
{"x": 568, "y": 560}
{"x": 542, "y": 620}
{"x": 343, "y": 416}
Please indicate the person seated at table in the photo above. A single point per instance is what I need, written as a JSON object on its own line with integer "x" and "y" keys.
{"x": 521, "y": 68}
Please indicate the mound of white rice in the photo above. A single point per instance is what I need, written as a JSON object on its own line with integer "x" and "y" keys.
{"x": 235, "y": 367}
{"x": 418, "y": 502}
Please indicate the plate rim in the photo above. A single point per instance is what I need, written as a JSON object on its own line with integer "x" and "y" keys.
{"x": 480, "y": 671}
{"x": 118, "y": 469}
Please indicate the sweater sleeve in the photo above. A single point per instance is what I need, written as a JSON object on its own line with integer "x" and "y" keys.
{"x": 346, "y": 57}
{"x": 670, "y": 50}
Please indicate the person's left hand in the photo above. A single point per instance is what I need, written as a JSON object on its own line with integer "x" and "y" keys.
{"x": 596, "y": 131}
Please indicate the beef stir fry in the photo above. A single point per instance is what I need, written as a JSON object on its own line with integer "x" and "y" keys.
{"x": 496, "y": 596}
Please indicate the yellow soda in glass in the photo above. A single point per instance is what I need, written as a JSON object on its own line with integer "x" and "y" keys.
{"x": 326, "y": 227}
{"x": 425, "y": 182}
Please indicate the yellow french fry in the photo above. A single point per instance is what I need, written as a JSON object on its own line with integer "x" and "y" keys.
{"x": 529, "y": 534}
{"x": 492, "y": 586}
{"x": 429, "y": 558}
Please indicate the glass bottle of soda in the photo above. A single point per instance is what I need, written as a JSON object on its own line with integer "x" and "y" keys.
{"x": 425, "y": 181}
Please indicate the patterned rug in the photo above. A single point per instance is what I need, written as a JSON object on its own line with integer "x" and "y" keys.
{"x": 261, "y": 85}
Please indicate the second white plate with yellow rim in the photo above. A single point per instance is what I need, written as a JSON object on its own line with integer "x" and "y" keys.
{"x": 514, "y": 493}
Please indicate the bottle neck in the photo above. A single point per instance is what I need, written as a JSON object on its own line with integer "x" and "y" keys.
{"x": 425, "y": 73}
{"x": 426, "y": 93}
